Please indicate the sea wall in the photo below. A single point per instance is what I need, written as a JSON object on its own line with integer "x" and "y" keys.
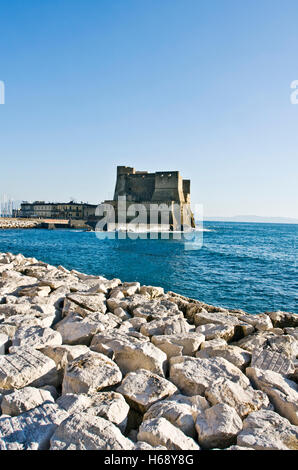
{"x": 93, "y": 363}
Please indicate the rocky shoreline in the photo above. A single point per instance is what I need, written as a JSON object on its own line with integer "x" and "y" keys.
{"x": 92, "y": 363}
{"x": 13, "y": 223}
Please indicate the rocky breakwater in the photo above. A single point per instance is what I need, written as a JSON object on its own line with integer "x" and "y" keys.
{"x": 9, "y": 223}
{"x": 92, "y": 363}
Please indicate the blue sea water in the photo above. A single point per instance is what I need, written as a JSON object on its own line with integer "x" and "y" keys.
{"x": 240, "y": 265}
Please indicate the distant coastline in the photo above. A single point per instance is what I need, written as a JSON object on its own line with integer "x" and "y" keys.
{"x": 254, "y": 219}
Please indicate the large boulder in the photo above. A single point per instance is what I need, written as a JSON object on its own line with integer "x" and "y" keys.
{"x": 31, "y": 430}
{"x": 36, "y": 337}
{"x": 160, "y": 432}
{"x": 218, "y": 426}
{"x": 168, "y": 326}
{"x": 237, "y": 356}
{"x": 213, "y": 331}
{"x": 283, "y": 393}
{"x": 82, "y": 431}
{"x": 109, "y": 405}
{"x": 180, "y": 410}
{"x": 24, "y": 400}
{"x": 90, "y": 373}
{"x": 185, "y": 344}
{"x": 266, "y": 430}
{"x": 131, "y": 353}
{"x": 194, "y": 375}
{"x": 243, "y": 400}
{"x": 27, "y": 367}
{"x": 266, "y": 359}
{"x": 75, "y": 329}
{"x": 143, "y": 388}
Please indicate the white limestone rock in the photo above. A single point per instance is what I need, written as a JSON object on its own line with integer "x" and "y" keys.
{"x": 27, "y": 367}
{"x": 188, "y": 343}
{"x": 214, "y": 331}
{"x": 154, "y": 309}
{"x": 237, "y": 356}
{"x": 160, "y": 432}
{"x": 180, "y": 410}
{"x": 152, "y": 291}
{"x": 267, "y": 430}
{"x": 77, "y": 330}
{"x": 267, "y": 359}
{"x": 91, "y": 302}
{"x": 131, "y": 353}
{"x": 218, "y": 426}
{"x": 109, "y": 405}
{"x": 82, "y": 431}
{"x": 24, "y": 400}
{"x": 282, "y": 392}
{"x": 90, "y": 373}
{"x": 36, "y": 337}
{"x": 31, "y": 430}
{"x": 194, "y": 375}
{"x": 169, "y": 326}
{"x": 4, "y": 342}
{"x": 143, "y": 388}
{"x": 243, "y": 400}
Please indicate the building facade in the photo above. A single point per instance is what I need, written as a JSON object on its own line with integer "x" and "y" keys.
{"x": 60, "y": 210}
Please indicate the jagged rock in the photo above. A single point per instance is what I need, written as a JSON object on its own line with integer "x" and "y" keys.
{"x": 109, "y": 405}
{"x": 77, "y": 330}
{"x": 31, "y": 430}
{"x": 282, "y": 392}
{"x": 91, "y": 302}
{"x": 194, "y": 375}
{"x": 83, "y": 431}
{"x": 64, "y": 354}
{"x": 284, "y": 344}
{"x": 36, "y": 337}
{"x": 237, "y": 356}
{"x": 292, "y": 332}
{"x": 218, "y": 318}
{"x": 90, "y": 373}
{"x": 266, "y": 430}
{"x": 244, "y": 401}
{"x": 284, "y": 319}
{"x": 261, "y": 321}
{"x": 133, "y": 324}
{"x": 180, "y": 410}
{"x": 214, "y": 343}
{"x": 218, "y": 426}
{"x": 152, "y": 291}
{"x": 154, "y": 309}
{"x": 188, "y": 343}
{"x": 143, "y": 388}
{"x": 255, "y": 341}
{"x": 24, "y": 400}
{"x": 121, "y": 313}
{"x": 35, "y": 291}
{"x": 27, "y": 368}
{"x": 131, "y": 353}
{"x": 130, "y": 288}
{"x": 272, "y": 360}
{"x": 212, "y": 331}
{"x": 160, "y": 431}
{"x": 145, "y": 446}
{"x": 168, "y": 326}
{"x": 4, "y": 342}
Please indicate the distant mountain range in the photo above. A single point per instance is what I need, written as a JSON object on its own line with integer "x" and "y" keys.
{"x": 254, "y": 219}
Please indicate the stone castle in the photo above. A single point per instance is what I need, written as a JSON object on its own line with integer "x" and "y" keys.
{"x": 165, "y": 189}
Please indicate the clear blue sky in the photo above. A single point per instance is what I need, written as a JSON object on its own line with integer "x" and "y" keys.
{"x": 201, "y": 86}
